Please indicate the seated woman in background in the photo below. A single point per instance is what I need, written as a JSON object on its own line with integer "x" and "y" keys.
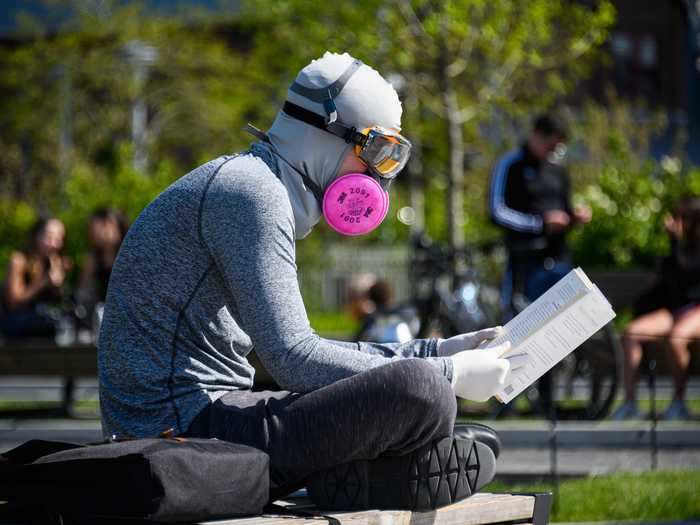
{"x": 670, "y": 310}
{"x": 34, "y": 284}
{"x": 106, "y": 230}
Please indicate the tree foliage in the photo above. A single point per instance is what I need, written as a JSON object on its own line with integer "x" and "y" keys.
{"x": 471, "y": 73}
{"x": 462, "y": 65}
{"x": 628, "y": 191}
{"x": 67, "y": 98}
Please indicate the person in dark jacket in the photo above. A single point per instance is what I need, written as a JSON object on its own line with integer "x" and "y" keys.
{"x": 530, "y": 198}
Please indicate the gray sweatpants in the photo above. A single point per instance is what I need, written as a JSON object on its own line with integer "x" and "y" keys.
{"x": 392, "y": 409}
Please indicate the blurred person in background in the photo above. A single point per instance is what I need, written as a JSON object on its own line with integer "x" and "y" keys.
{"x": 34, "y": 289}
{"x": 379, "y": 324}
{"x": 530, "y": 198}
{"x": 668, "y": 311}
{"x": 371, "y": 303}
{"x": 358, "y": 304}
{"x": 208, "y": 272}
{"x": 107, "y": 228}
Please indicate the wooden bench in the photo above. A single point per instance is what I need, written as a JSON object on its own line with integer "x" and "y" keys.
{"x": 480, "y": 509}
{"x": 622, "y": 288}
{"x": 43, "y": 358}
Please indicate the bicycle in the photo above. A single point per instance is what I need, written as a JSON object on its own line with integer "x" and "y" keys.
{"x": 445, "y": 303}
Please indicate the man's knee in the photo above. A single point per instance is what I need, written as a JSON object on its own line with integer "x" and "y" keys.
{"x": 424, "y": 390}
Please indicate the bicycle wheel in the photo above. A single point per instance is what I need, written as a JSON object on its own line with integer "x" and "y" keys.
{"x": 584, "y": 384}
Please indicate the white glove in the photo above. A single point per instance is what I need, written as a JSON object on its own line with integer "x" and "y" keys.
{"x": 479, "y": 374}
{"x": 470, "y": 341}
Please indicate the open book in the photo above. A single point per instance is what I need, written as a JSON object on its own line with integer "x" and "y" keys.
{"x": 552, "y": 327}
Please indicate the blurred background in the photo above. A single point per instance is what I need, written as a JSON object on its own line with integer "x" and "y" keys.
{"x": 104, "y": 103}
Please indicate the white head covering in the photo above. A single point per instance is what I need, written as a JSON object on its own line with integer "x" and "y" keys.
{"x": 366, "y": 100}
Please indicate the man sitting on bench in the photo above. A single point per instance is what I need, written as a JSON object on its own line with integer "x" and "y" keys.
{"x": 207, "y": 273}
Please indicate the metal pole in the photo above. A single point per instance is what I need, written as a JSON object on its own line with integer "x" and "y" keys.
{"x": 65, "y": 138}
{"x": 61, "y": 76}
{"x": 553, "y": 463}
{"x": 139, "y": 117}
{"x": 652, "y": 402}
{"x": 140, "y": 56}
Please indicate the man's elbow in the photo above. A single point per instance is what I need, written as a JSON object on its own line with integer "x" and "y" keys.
{"x": 287, "y": 366}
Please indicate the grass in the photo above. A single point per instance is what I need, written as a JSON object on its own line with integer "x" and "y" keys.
{"x": 334, "y": 324}
{"x": 649, "y": 496}
{"x": 661, "y": 404}
{"x": 26, "y": 405}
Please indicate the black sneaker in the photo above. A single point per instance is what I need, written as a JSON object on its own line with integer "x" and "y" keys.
{"x": 433, "y": 476}
{"x": 481, "y": 433}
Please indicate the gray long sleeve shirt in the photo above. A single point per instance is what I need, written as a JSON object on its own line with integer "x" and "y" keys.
{"x": 207, "y": 273}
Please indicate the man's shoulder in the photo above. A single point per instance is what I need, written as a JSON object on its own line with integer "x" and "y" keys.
{"x": 510, "y": 160}
{"x": 246, "y": 185}
{"x": 249, "y": 175}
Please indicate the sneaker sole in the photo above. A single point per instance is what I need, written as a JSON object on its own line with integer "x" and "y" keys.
{"x": 433, "y": 476}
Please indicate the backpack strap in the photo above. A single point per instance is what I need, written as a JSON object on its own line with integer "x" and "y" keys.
{"x": 272, "y": 508}
{"x": 34, "y": 449}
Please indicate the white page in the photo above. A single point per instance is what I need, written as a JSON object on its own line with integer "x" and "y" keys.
{"x": 558, "y": 337}
{"x": 584, "y": 278}
{"x": 563, "y": 294}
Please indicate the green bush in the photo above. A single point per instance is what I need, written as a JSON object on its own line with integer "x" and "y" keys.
{"x": 628, "y": 192}
{"x": 15, "y": 220}
{"x": 86, "y": 188}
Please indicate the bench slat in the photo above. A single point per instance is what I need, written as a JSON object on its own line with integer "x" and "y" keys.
{"x": 48, "y": 360}
{"x": 480, "y": 509}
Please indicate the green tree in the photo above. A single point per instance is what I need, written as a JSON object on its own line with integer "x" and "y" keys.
{"x": 628, "y": 191}
{"x": 467, "y": 69}
{"x": 67, "y": 97}
{"x": 462, "y": 64}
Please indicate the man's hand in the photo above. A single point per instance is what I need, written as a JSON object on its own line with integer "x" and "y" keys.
{"x": 469, "y": 341}
{"x": 583, "y": 215}
{"x": 556, "y": 221}
{"x": 477, "y": 375}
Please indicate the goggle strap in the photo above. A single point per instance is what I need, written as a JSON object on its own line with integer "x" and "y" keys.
{"x": 256, "y": 132}
{"x": 331, "y": 110}
{"x": 349, "y": 135}
{"x": 320, "y": 95}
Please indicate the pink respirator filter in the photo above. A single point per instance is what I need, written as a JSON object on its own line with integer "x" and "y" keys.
{"x": 355, "y": 204}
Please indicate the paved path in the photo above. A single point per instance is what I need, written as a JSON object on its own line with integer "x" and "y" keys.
{"x": 588, "y": 448}
{"x": 29, "y": 388}
{"x": 48, "y": 388}
{"x": 575, "y": 462}
{"x": 601, "y": 434}
{"x": 583, "y": 448}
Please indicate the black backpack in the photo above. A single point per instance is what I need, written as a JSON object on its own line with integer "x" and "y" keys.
{"x": 163, "y": 480}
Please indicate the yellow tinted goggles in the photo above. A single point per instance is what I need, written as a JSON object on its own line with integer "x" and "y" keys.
{"x": 385, "y": 151}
